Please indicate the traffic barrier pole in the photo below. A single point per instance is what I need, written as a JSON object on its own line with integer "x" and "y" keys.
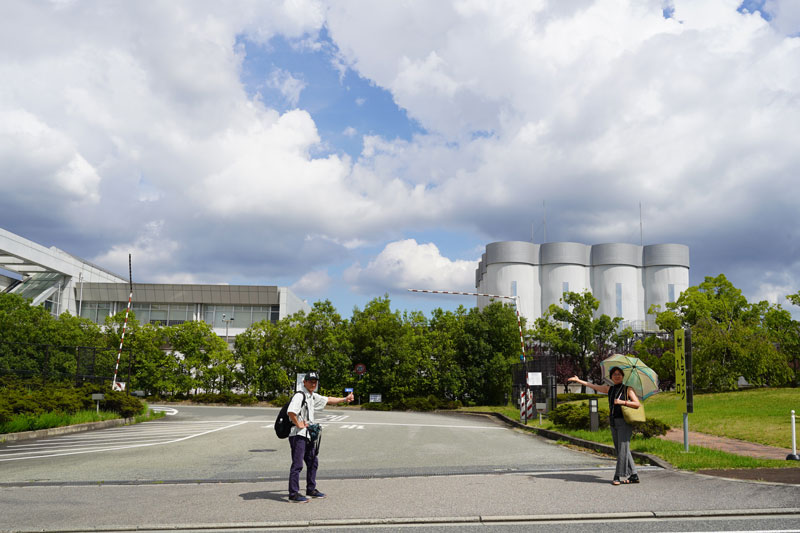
{"x": 124, "y": 325}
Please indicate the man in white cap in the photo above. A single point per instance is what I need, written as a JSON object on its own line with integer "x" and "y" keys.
{"x": 301, "y": 412}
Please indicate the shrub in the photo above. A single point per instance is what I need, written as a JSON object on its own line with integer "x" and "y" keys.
{"x": 5, "y": 411}
{"x": 573, "y": 396}
{"x": 652, "y": 427}
{"x": 576, "y": 416}
{"x": 119, "y": 402}
{"x": 280, "y": 400}
{"x": 377, "y": 406}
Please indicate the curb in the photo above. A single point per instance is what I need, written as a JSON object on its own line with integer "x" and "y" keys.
{"x": 434, "y": 520}
{"x": 554, "y": 435}
{"x": 63, "y": 430}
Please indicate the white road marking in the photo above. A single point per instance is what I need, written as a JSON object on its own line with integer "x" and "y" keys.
{"x": 332, "y": 418}
{"x": 169, "y": 411}
{"x": 17, "y": 456}
{"x": 426, "y": 425}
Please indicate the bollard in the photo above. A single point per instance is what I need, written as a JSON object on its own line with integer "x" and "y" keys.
{"x": 793, "y": 456}
{"x": 594, "y": 416}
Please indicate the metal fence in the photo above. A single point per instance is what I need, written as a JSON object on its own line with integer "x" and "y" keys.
{"x": 79, "y": 364}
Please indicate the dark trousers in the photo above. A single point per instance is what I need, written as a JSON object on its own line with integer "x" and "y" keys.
{"x": 302, "y": 452}
{"x": 622, "y": 432}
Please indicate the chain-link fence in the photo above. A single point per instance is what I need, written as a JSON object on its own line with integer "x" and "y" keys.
{"x": 79, "y": 364}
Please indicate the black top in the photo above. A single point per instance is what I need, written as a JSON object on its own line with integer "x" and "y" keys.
{"x": 616, "y": 391}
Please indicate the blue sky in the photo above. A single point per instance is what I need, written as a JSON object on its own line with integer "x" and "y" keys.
{"x": 354, "y": 149}
{"x": 338, "y": 100}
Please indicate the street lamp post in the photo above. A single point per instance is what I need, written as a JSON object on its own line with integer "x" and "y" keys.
{"x": 227, "y": 323}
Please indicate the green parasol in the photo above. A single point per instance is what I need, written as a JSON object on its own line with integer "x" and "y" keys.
{"x": 638, "y": 375}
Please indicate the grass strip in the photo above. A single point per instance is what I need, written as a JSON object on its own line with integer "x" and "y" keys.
{"x": 30, "y": 422}
{"x": 761, "y": 415}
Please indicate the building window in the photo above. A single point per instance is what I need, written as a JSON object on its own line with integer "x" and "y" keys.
{"x": 619, "y": 299}
{"x": 142, "y": 312}
{"x": 671, "y": 292}
{"x": 513, "y": 288}
{"x": 243, "y": 316}
{"x": 96, "y": 311}
{"x": 158, "y": 314}
{"x": 564, "y": 291}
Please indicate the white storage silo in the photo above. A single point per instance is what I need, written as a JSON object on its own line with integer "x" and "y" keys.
{"x": 512, "y": 270}
{"x": 666, "y": 273}
{"x": 617, "y": 282}
{"x": 564, "y": 268}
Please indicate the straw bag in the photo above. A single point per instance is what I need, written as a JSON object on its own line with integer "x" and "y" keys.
{"x": 632, "y": 415}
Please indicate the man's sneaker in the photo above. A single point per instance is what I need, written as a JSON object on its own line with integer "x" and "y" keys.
{"x": 298, "y": 498}
{"x": 315, "y": 494}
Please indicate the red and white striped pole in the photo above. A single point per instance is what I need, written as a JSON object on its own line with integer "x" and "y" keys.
{"x": 516, "y": 308}
{"x": 114, "y": 385}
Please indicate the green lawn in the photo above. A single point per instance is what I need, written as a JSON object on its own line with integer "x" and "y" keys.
{"x": 760, "y": 415}
{"x": 757, "y": 415}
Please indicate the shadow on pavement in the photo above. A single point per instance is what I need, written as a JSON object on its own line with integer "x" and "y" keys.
{"x": 274, "y": 495}
{"x": 575, "y": 478}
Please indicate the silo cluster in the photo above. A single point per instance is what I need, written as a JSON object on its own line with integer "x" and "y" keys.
{"x": 627, "y": 279}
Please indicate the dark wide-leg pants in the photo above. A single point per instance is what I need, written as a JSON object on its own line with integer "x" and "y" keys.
{"x": 302, "y": 452}
{"x": 622, "y": 432}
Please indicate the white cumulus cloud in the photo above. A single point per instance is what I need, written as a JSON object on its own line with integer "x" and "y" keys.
{"x": 407, "y": 264}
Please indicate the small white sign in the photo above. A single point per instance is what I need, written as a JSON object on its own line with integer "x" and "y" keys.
{"x": 374, "y": 398}
{"x": 534, "y": 379}
{"x": 118, "y": 386}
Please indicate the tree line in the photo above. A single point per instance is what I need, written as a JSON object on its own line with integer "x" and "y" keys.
{"x": 463, "y": 355}
{"x": 731, "y": 338}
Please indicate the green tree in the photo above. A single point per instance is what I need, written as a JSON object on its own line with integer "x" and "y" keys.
{"x": 377, "y": 336}
{"x": 156, "y": 367}
{"x": 576, "y": 335}
{"x": 106, "y": 361}
{"x": 204, "y": 359}
{"x": 729, "y": 336}
{"x": 324, "y": 335}
{"x": 487, "y": 349}
{"x": 445, "y": 333}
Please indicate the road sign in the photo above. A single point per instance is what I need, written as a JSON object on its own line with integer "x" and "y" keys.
{"x": 375, "y": 398}
{"x": 360, "y": 369}
{"x": 682, "y": 371}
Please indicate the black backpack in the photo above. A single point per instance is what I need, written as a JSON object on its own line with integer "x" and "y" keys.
{"x": 283, "y": 424}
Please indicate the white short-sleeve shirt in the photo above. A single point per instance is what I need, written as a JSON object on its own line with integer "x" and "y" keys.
{"x": 314, "y": 402}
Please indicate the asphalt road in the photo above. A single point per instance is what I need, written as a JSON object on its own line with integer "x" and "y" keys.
{"x": 208, "y": 467}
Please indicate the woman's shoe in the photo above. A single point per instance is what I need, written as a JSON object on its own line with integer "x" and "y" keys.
{"x": 616, "y": 481}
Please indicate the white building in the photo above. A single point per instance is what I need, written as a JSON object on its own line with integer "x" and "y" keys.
{"x": 65, "y": 283}
{"x": 627, "y": 279}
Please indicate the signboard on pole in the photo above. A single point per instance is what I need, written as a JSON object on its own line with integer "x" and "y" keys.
{"x": 680, "y": 369}
{"x": 683, "y": 369}
{"x": 534, "y": 379}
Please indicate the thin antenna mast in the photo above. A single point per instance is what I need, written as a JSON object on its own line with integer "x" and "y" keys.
{"x": 641, "y": 229}
{"x": 544, "y": 207}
